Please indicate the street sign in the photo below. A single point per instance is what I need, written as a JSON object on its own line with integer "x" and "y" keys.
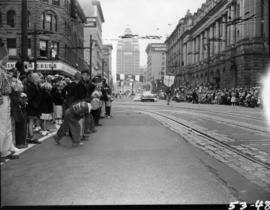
{"x": 91, "y": 22}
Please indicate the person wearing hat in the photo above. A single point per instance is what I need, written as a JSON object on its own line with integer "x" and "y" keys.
{"x": 72, "y": 116}
{"x": 86, "y": 88}
{"x": 70, "y": 92}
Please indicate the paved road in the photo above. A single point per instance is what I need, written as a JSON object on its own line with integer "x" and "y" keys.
{"x": 132, "y": 159}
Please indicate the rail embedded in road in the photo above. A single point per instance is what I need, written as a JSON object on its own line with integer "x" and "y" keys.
{"x": 253, "y": 168}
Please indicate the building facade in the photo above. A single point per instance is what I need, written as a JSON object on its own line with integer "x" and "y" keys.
{"x": 93, "y": 28}
{"x": 156, "y": 62}
{"x": 55, "y": 34}
{"x": 107, "y": 63}
{"x": 127, "y": 62}
{"x": 224, "y": 44}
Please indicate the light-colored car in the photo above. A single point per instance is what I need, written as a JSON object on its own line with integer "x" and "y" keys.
{"x": 148, "y": 96}
{"x": 137, "y": 97}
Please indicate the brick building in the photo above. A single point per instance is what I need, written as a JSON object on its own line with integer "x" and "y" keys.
{"x": 55, "y": 34}
{"x": 224, "y": 44}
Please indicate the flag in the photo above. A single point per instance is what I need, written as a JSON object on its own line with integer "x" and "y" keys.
{"x": 3, "y": 54}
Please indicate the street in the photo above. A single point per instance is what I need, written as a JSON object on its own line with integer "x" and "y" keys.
{"x": 144, "y": 154}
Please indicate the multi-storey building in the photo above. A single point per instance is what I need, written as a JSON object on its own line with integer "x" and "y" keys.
{"x": 55, "y": 34}
{"x": 128, "y": 62}
{"x": 128, "y": 55}
{"x": 224, "y": 44}
{"x": 107, "y": 63}
{"x": 93, "y": 28}
{"x": 156, "y": 61}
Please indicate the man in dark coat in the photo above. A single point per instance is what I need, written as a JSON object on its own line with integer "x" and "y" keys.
{"x": 86, "y": 88}
{"x": 70, "y": 92}
{"x": 72, "y": 117}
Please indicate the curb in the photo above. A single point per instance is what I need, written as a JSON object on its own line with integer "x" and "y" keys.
{"x": 32, "y": 145}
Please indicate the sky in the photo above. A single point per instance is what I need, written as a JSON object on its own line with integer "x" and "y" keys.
{"x": 144, "y": 17}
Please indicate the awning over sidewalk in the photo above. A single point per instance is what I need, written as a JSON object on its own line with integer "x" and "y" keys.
{"x": 49, "y": 67}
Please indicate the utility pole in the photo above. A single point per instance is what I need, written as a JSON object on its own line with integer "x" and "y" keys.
{"x": 90, "y": 58}
{"x": 102, "y": 74}
{"x": 35, "y": 47}
{"x": 24, "y": 25}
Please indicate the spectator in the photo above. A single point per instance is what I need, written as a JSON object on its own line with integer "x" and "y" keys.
{"x": 46, "y": 106}
{"x": 33, "y": 108}
{"x": 70, "y": 92}
{"x": 71, "y": 122}
{"x": 18, "y": 111}
{"x": 58, "y": 100}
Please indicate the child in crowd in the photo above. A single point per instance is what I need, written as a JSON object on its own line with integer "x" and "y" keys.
{"x": 58, "y": 101}
{"x": 108, "y": 105}
{"x": 46, "y": 106}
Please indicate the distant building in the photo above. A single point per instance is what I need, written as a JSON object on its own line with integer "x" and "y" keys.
{"x": 55, "y": 34}
{"x": 224, "y": 44}
{"x": 128, "y": 62}
{"x": 93, "y": 26}
{"x": 156, "y": 61}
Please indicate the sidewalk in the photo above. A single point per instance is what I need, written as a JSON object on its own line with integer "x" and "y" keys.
{"x": 37, "y": 135}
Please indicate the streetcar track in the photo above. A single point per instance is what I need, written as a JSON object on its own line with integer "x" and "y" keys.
{"x": 253, "y": 128}
{"x": 215, "y": 140}
{"x": 203, "y": 110}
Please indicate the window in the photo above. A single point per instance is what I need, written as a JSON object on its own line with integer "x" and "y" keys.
{"x": 56, "y": 2}
{"x": 11, "y": 18}
{"x": 0, "y": 18}
{"x": 12, "y": 48}
{"x": 43, "y": 48}
{"x": 55, "y": 22}
{"x": 48, "y": 22}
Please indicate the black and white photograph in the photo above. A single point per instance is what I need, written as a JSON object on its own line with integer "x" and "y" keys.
{"x": 135, "y": 102}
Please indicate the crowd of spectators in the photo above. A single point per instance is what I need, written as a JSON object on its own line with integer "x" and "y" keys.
{"x": 248, "y": 97}
{"x": 31, "y": 101}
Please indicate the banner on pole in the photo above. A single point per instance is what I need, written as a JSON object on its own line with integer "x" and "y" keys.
{"x": 168, "y": 80}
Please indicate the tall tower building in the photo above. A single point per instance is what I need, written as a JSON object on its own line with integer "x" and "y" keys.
{"x": 128, "y": 62}
{"x": 128, "y": 57}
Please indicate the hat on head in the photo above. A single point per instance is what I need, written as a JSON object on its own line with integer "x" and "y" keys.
{"x": 77, "y": 75}
{"x": 85, "y": 71}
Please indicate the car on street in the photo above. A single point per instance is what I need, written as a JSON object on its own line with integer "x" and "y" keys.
{"x": 137, "y": 97}
{"x": 148, "y": 96}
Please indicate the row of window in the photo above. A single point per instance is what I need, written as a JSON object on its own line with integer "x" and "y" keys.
{"x": 11, "y": 18}
{"x": 54, "y": 2}
{"x": 66, "y": 3}
{"x": 49, "y": 20}
{"x": 44, "y": 50}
